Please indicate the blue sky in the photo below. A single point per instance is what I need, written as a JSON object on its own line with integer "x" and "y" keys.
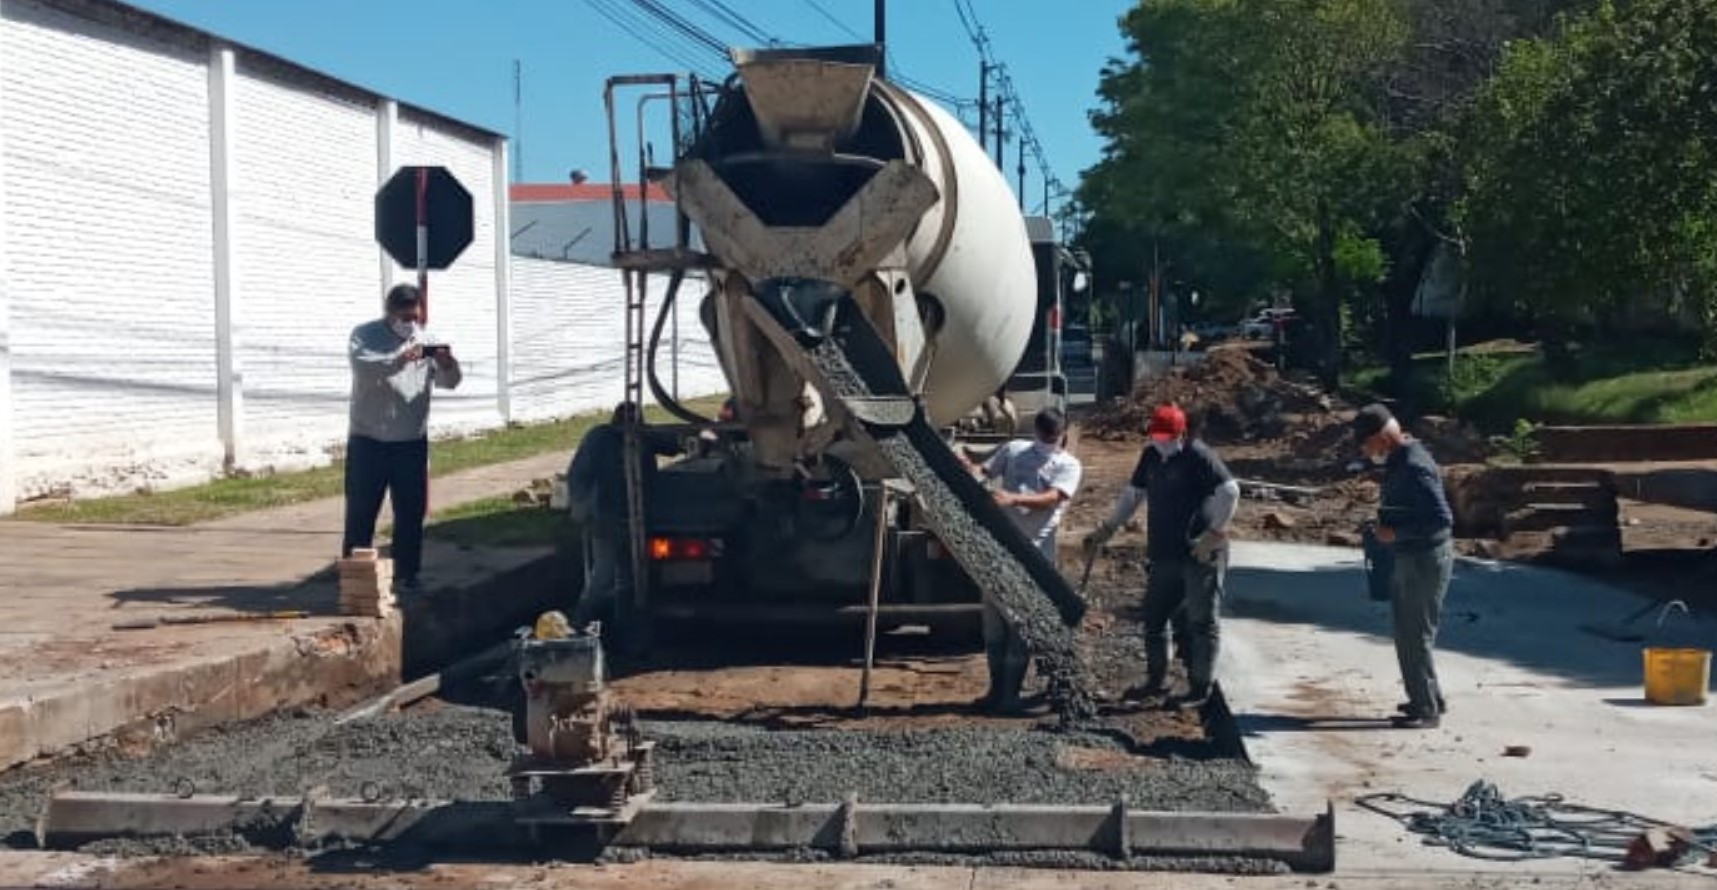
{"x": 456, "y": 56}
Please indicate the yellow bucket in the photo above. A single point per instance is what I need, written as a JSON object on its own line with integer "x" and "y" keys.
{"x": 1677, "y": 676}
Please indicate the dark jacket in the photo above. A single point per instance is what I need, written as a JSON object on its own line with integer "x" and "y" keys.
{"x": 597, "y": 475}
{"x": 1413, "y": 503}
{"x": 1175, "y": 490}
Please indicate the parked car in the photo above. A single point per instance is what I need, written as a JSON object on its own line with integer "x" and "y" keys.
{"x": 1263, "y": 325}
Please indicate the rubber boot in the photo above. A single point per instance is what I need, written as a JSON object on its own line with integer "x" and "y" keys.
{"x": 1155, "y": 686}
{"x": 1012, "y": 677}
{"x": 993, "y": 658}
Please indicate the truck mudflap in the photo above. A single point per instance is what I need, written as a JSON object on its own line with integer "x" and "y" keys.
{"x": 852, "y": 364}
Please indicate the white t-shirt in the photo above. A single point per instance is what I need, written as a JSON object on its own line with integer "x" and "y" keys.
{"x": 1025, "y": 466}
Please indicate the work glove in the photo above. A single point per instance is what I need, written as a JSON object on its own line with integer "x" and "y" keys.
{"x": 1099, "y": 536}
{"x": 1206, "y": 547}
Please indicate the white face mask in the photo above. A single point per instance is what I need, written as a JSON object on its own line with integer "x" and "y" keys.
{"x": 1167, "y": 449}
{"x": 404, "y": 329}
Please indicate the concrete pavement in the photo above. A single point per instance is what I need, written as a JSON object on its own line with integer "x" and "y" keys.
{"x": 1310, "y": 671}
{"x": 67, "y": 677}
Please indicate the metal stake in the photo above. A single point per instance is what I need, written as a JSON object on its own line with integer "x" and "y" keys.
{"x": 876, "y": 562}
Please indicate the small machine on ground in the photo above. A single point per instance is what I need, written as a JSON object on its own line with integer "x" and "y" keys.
{"x": 583, "y": 755}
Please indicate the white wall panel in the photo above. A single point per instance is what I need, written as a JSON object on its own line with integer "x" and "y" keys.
{"x": 108, "y": 210}
{"x": 304, "y": 253}
{"x": 569, "y": 334}
{"x": 110, "y": 257}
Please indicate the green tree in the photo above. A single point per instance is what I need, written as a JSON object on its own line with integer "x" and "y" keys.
{"x": 1319, "y": 140}
{"x": 1254, "y": 124}
{"x": 1592, "y": 167}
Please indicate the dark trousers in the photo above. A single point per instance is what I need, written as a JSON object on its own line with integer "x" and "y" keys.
{"x": 1188, "y": 594}
{"x": 399, "y": 470}
{"x": 1417, "y": 588}
{"x": 607, "y": 571}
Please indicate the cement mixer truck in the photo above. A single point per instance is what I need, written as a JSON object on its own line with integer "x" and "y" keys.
{"x": 867, "y": 281}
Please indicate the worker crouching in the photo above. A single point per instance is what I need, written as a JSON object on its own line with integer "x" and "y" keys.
{"x": 1190, "y": 498}
{"x": 596, "y": 492}
{"x": 1037, "y": 477}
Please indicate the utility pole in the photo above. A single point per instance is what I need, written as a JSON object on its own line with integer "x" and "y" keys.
{"x": 882, "y": 37}
{"x": 1000, "y": 161}
{"x": 1021, "y": 168}
{"x": 518, "y": 121}
{"x": 983, "y": 100}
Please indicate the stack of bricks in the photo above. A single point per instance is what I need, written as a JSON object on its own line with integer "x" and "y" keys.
{"x": 366, "y": 585}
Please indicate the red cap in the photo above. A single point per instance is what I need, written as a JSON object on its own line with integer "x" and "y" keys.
{"x": 1167, "y": 422}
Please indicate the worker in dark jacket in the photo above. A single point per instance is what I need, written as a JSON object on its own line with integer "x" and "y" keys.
{"x": 596, "y": 492}
{"x": 1190, "y": 498}
{"x": 1414, "y": 520}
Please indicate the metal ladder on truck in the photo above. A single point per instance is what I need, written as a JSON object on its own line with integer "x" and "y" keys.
{"x": 637, "y": 259}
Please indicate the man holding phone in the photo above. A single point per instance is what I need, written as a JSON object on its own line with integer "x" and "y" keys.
{"x": 387, "y": 449}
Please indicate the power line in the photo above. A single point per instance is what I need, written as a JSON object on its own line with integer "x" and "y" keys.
{"x": 1028, "y": 140}
{"x": 670, "y": 46}
{"x": 679, "y": 23}
{"x": 727, "y": 14}
{"x": 825, "y": 13}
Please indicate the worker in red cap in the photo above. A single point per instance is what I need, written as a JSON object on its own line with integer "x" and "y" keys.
{"x": 1190, "y": 498}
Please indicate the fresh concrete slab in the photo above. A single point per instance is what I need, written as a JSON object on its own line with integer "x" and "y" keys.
{"x": 1310, "y": 671}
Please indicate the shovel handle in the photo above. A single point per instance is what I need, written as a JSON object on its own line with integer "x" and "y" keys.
{"x": 147, "y": 623}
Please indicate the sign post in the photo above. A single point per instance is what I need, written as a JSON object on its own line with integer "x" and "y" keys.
{"x": 424, "y": 220}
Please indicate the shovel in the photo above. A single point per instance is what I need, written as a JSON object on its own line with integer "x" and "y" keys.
{"x": 1085, "y": 578}
{"x": 147, "y": 623}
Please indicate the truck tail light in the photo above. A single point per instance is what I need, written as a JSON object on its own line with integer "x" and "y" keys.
{"x": 663, "y": 549}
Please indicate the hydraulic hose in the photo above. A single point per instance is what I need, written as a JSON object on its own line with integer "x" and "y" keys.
{"x": 656, "y": 389}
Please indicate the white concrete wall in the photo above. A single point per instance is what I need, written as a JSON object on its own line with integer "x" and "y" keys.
{"x": 568, "y": 331}
{"x": 303, "y": 252}
{"x": 108, "y": 245}
{"x": 186, "y": 240}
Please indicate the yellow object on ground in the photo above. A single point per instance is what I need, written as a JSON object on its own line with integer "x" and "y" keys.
{"x": 552, "y": 626}
{"x": 1677, "y": 676}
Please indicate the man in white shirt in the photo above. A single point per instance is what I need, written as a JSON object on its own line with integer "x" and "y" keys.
{"x": 1037, "y": 479}
{"x": 394, "y": 370}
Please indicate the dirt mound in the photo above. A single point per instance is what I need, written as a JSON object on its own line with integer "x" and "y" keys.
{"x": 1231, "y": 397}
{"x": 1228, "y": 396}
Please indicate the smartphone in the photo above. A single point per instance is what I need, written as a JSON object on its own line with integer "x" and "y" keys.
{"x": 431, "y": 350}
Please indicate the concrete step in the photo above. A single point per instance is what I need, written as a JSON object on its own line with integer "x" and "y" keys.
{"x": 1586, "y": 494}
{"x": 1537, "y": 473}
{"x": 1579, "y": 547}
{"x": 1544, "y": 517}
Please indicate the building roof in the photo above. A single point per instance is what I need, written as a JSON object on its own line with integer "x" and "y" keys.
{"x": 120, "y": 14}
{"x": 574, "y": 223}
{"x": 522, "y": 192}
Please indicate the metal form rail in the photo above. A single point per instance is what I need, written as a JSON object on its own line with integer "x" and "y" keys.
{"x": 849, "y": 829}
